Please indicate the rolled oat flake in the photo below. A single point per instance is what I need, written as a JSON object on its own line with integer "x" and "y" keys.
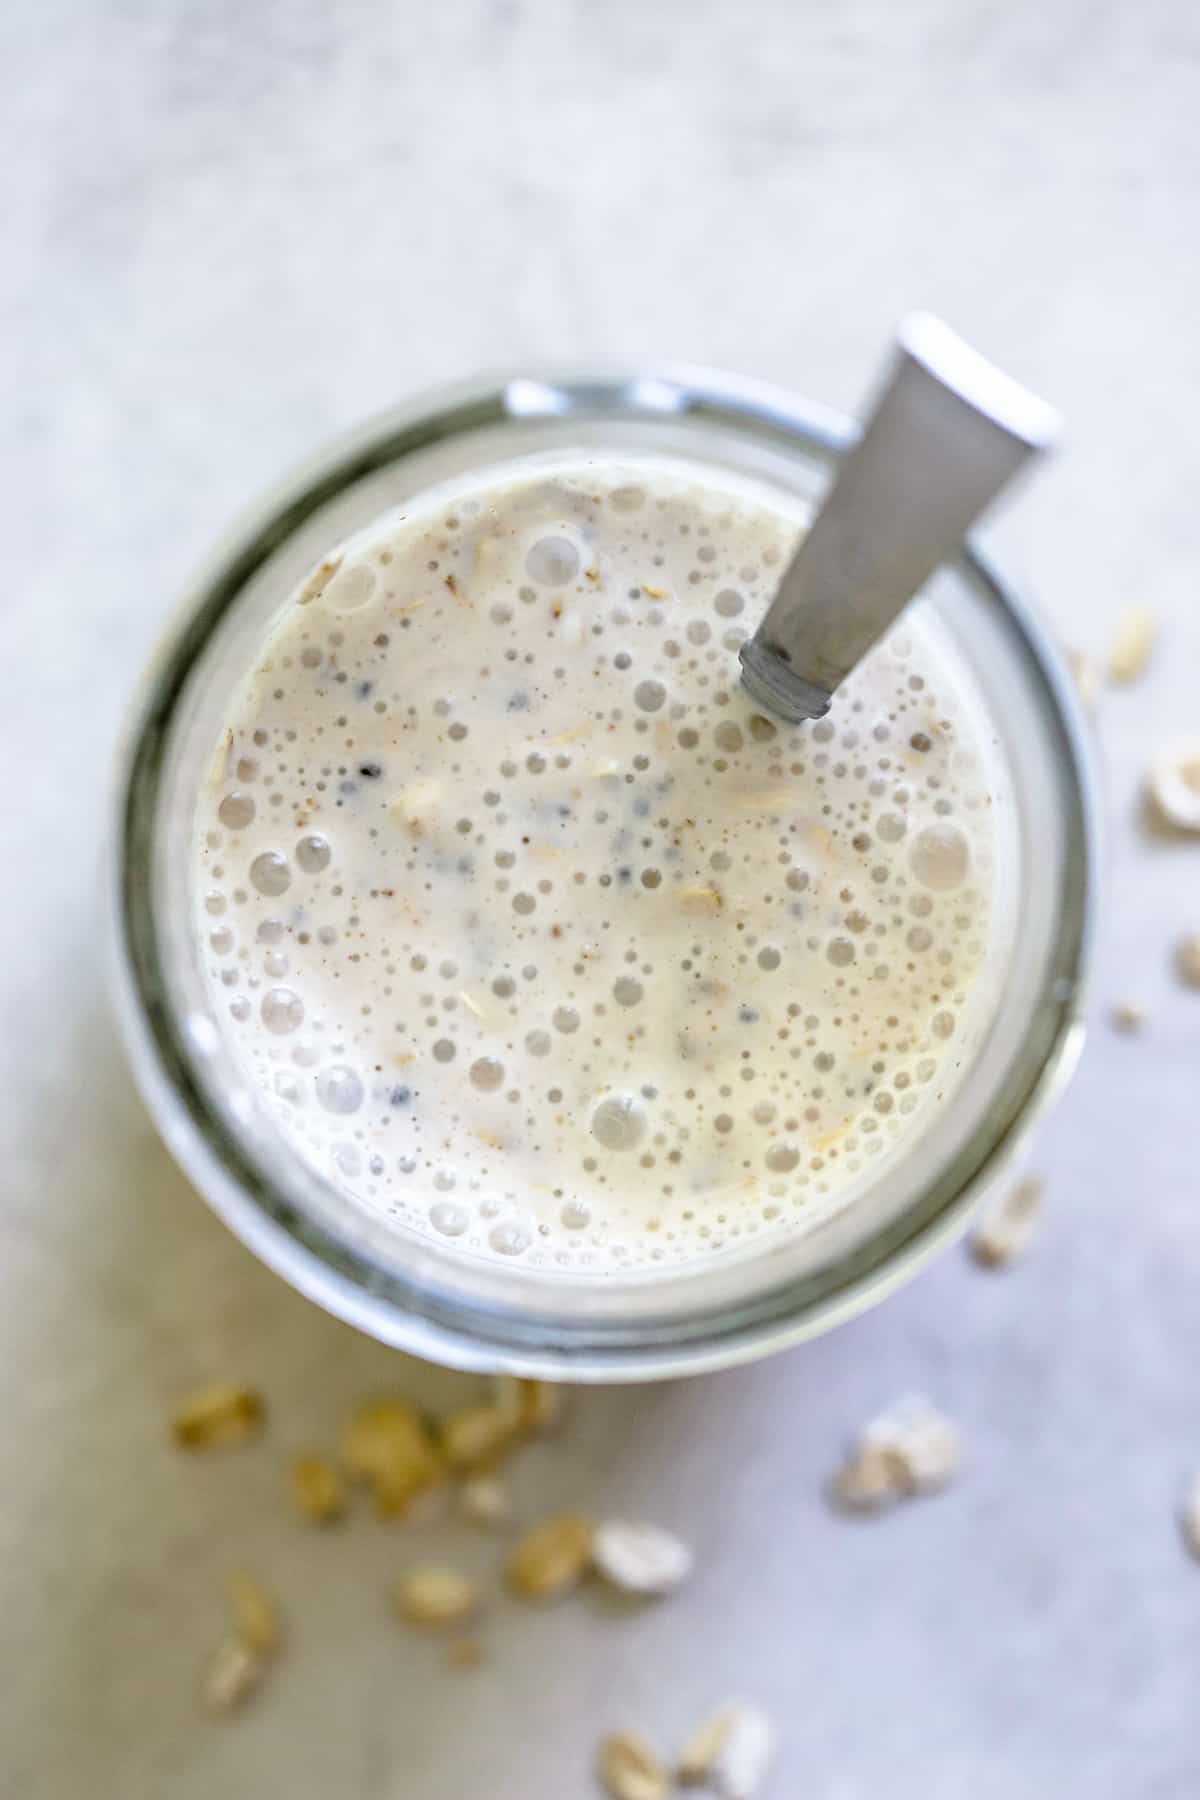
{"x": 731, "y": 1753}
{"x": 640, "y": 1558}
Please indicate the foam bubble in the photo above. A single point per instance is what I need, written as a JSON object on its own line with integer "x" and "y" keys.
{"x": 350, "y": 589}
{"x": 237, "y": 810}
{"x": 553, "y": 561}
{"x": 282, "y": 1011}
{"x": 940, "y": 857}
{"x": 313, "y": 854}
{"x": 270, "y": 874}
{"x": 339, "y": 1090}
{"x": 618, "y": 1123}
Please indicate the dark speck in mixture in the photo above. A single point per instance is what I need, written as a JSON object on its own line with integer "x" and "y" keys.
{"x": 625, "y": 873}
{"x": 364, "y": 690}
{"x": 370, "y": 771}
{"x": 400, "y": 1096}
{"x": 518, "y": 702}
{"x": 747, "y": 1015}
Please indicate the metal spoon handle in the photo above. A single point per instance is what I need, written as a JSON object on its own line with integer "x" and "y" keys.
{"x": 947, "y": 433}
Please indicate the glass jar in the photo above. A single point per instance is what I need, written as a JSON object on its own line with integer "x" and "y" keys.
{"x": 409, "y": 1291}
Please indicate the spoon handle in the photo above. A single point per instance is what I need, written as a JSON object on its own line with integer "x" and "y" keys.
{"x": 947, "y": 433}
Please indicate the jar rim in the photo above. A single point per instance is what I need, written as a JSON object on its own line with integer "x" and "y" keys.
{"x": 321, "y": 1262}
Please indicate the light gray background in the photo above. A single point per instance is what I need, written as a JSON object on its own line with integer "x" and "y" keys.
{"x": 233, "y": 228}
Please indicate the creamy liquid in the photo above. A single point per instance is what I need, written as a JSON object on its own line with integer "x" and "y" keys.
{"x": 535, "y": 934}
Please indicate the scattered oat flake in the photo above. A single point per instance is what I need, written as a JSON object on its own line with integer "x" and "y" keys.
{"x": 234, "y": 1670}
{"x": 654, "y": 592}
{"x": 317, "y": 1489}
{"x": 1007, "y": 1227}
{"x": 484, "y": 1500}
{"x": 219, "y": 1416}
{"x": 1190, "y": 1516}
{"x": 388, "y": 1445}
{"x": 436, "y": 1594}
{"x": 254, "y": 1614}
{"x": 532, "y": 1405}
{"x": 1127, "y": 1018}
{"x": 464, "y": 1653}
{"x": 630, "y": 1769}
{"x": 1173, "y": 785}
{"x": 910, "y": 1449}
{"x": 476, "y": 1438}
{"x": 866, "y": 1481}
{"x": 551, "y": 1558}
{"x": 743, "y": 1756}
{"x": 1187, "y": 959}
{"x": 639, "y": 1558}
{"x": 731, "y": 1752}
{"x": 543, "y": 1405}
{"x": 696, "y": 1757}
{"x": 1133, "y": 644}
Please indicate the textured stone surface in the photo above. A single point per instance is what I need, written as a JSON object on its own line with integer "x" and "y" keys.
{"x": 233, "y": 229}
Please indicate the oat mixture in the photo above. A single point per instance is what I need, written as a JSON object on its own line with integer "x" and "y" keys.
{"x": 535, "y": 936}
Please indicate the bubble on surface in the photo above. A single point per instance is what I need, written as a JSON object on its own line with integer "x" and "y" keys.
{"x": 270, "y": 874}
{"x": 313, "y": 854}
{"x": 552, "y": 561}
{"x": 237, "y": 810}
{"x": 509, "y": 1238}
{"x": 449, "y": 1218}
{"x": 618, "y": 1123}
{"x": 282, "y": 1011}
{"x": 339, "y": 1090}
{"x": 347, "y": 1159}
{"x": 940, "y": 857}
{"x": 350, "y": 589}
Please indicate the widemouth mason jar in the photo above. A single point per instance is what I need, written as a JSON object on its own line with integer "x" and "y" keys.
{"x": 474, "y": 1314}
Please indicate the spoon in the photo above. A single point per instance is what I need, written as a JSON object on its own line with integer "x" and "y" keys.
{"x": 947, "y": 433}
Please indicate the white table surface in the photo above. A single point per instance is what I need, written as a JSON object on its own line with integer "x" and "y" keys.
{"x": 235, "y": 228}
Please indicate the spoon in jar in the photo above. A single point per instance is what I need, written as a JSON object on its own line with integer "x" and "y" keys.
{"x": 947, "y": 433}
